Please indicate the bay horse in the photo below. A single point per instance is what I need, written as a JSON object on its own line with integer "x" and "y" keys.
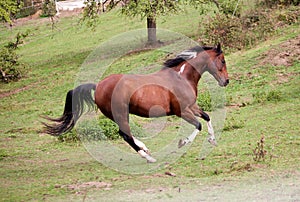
{"x": 169, "y": 91}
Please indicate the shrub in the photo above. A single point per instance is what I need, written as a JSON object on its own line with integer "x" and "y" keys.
{"x": 230, "y": 7}
{"x": 10, "y": 67}
{"x": 288, "y": 16}
{"x": 109, "y": 128}
{"x": 97, "y": 130}
{"x": 69, "y": 137}
{"x": 240, "y": 31}
{"x": 276, "y": 3}
{"x": 204, "y": 101}
{"x": 24, "y": 12}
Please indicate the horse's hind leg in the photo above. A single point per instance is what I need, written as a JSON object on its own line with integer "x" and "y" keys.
{"x": 137, "y": 145}
{"x": 198, "y": 112}
{"x": 189, "y": 116}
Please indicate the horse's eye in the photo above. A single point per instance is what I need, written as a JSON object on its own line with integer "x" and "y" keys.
{"x": 223, "y": 61}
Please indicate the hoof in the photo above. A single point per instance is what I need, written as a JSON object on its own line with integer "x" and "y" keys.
{"x": 181, "y": 143}
{"x": 150, "y": 159}
{"x": 147, "y": 151}
{"x": 212, "y": 142}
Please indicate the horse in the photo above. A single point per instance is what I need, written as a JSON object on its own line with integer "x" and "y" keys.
{"x": 170, "y": 91}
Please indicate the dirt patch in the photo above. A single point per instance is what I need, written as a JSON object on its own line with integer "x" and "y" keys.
{"x": 283, "y": 55}
{"x": 6, "y": 94}
{"x": 87, "y": 185}
{"x": 284, "y": 77}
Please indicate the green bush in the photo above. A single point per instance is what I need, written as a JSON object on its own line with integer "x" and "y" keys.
{"x": 97, "y": 130}
{"x": 230, "y": 7}
{"x": 225, "y": 29}
{"x": 237, "y": 33}
{"x": 90, "y": 130}
{"x": 204, "y": 101}
{"x": 69, "y": 137}
{"x": 10, "y": 67}
{"x": 24, "y": 12}
{"x": 109, "y": 128}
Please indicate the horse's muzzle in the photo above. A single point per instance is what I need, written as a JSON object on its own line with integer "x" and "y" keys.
{"x": 224, "y": 83}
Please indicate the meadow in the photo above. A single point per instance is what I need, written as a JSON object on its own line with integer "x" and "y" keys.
{"x": 262, "y": 101}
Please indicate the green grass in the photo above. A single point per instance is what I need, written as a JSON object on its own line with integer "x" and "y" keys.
{"x": 35, "y": 166}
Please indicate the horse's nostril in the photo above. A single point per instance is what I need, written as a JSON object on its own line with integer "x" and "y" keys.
{"x": 227, "y": 81}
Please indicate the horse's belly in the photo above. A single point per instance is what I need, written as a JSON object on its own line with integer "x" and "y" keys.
{"x": 150, "y": 101}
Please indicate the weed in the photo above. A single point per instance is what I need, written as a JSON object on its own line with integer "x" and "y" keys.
{"x": 274, "y": 95}
{"x": 233, "y": 124}
{"x": 262, "y": 96}
{"x": 3, "y": 154}
{"x": 259, "y": 152}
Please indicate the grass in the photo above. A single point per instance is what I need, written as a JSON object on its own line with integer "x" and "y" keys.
{"x": 38, "y": 167}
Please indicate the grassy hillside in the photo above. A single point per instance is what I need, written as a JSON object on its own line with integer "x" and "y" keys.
{"x": 263, "y": 100}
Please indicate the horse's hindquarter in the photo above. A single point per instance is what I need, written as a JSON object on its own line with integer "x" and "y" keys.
{"x": 104, "y": 92}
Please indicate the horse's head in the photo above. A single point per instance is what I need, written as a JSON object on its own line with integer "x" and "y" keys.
{"x": 216, "y": 65}
{"x": 203, "y": 58}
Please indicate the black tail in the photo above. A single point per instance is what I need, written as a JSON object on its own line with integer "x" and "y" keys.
{"x": 74, "y": 108}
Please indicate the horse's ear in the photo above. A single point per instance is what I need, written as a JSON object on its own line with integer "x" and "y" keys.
{"x": 219, "y": 48}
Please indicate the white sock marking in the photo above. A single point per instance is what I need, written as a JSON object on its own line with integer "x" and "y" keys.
{"x": 193, "y": 135}
{"x": 211, "y": 132}
{"x": 210, "y": 128}
{"x": 191, "y": 138}
{"x": 140, "y": 144}
{"x": 149, "y": 158}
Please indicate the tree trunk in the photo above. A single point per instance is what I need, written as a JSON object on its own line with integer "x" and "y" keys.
{"x": 151, "y": 27}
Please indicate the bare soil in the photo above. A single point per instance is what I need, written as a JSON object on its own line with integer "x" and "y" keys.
{"x": 283, "y": 55}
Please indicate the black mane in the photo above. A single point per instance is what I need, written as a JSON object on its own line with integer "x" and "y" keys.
{"x": 186, "y": 55}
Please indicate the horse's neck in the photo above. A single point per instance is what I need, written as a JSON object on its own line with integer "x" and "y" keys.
{"x": 187, "y": 71}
